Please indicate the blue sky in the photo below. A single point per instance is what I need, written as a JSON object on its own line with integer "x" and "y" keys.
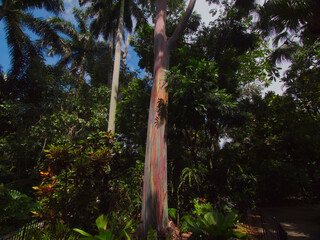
{"x": 4, "y": 53}
{"x": 132, "y": 58}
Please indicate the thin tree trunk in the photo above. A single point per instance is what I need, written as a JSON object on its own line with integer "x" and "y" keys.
{"x": 111, "y": 57}
{"x": 155, "y": 198}
{"x": 82, "y": 69}
{"x": 124, "y": 57}
{"x": 116, "y": 73}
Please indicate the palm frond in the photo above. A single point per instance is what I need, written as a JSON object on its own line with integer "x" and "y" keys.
{"x": 83, "y": 2}
{"x": 81, "y": 18}
{"x": 277, "y": 16}
{"x": 16, "y": 40}
{"x": 96, "y": 27}
{"x": 64, "y": 61}
{"x": 127, "y": 16}
{"x": 63, "y": 26}
{"x": 105, "y": 19}
{"x": 54, "y": 6}
{"x": 284, "y": 36}
{"x": 43, "y": 29}
{"x": 286, "y": 51}
{"x": 107, "y": 15}
{"x": 138, "y": 14}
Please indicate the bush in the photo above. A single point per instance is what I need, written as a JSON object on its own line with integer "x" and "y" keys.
{"x": 110, "y": 230}
{"x": 75, "y": 183}
{"x": 14, "y": 209}
{"x": 58, "y": 231}
{"x": 208, "y": 223}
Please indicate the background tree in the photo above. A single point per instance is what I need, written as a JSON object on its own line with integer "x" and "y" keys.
{"x": 121, "y": 12}
{"x": 302, "y": 79}
{"x": 79, "y": 49}
{"x": 227, "y": 143}
{"x": 290, "y": 21}
{"x": 16, "y": 16}
{"x": 217, "y": 112}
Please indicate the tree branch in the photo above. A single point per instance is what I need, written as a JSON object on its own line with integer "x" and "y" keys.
{"x": 182, "y": 24}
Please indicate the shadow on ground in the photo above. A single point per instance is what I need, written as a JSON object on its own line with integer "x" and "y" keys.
{"x": 301, "y": 221}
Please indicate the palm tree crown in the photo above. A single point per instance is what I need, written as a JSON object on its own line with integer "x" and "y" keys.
{"x": 107, "y": 14}
{"x": 290, "y": 20}
{"x": 286, "y": 18}
{"x": 79, "y": 48}
{"x": 15, "y": 15}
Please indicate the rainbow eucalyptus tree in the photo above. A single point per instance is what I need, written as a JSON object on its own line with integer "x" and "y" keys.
{"x": 155, "y": 203}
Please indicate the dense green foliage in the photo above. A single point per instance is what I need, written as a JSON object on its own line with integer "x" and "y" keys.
{"x": 76, "y": 180}
{"x": 107, "y": 229}
{"x": 57, "y": 230}
{"x": 15, "y": 207}
{"x": 228, "y": 144}
{"x": 209, "y": 223}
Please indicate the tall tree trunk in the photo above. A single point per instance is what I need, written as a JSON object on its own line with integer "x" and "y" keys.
{"x": 155, "y": 201}
{"x": 82, "y": 68}
{"x": 116, "y": 73}
{"x": 155, "y": 198}
{"x": 124, "y": 57}
{"x": 111, "y": 57}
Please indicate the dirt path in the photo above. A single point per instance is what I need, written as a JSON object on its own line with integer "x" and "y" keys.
{"x": 300, "y": 221}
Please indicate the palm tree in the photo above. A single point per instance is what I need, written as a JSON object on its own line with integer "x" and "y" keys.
{"x": 103, "y": 24}
{"x": 108, "y": 13}
{"x": 290, "y": 20}
{"x": 80, "y": 49}
{"x": 15, "y": 16}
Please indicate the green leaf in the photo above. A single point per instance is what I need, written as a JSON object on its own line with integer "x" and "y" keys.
{"x": 82, "y": 232}
{"x": 240, "y": 235}
{"x": 101, "y": 222}
{"x": 172, "y": 212}
{"x": 127, "y": 235}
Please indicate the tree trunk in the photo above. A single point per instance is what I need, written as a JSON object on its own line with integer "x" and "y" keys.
{"x": 155, "y": 199}
{"x": 124, "y": 57}
{"x": 116, "y": 73}
{"x": 111, "y": 57}
{"x": 82, "y": 69}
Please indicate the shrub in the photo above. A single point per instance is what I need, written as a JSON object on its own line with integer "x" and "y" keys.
{"x": 14, "y": 209}
{"x": 58, "y": 231}
{"x": 109, "y": 230}
{"x": 75, "y": 180}
{"x": 208, "y": 223}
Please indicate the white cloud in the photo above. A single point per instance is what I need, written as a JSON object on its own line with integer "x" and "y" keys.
{"x": 202, "y": 7}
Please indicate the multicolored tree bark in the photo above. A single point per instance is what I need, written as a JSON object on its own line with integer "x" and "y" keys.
{"x": 155, "y": 201}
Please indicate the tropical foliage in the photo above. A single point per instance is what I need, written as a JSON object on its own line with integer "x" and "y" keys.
{"x": 227, "y": 142}
{"x": 107, "y": 229}
{"x": 72, "y": 172}
{"x": 212, "y": 224}
{"x": 15, "y": 16}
